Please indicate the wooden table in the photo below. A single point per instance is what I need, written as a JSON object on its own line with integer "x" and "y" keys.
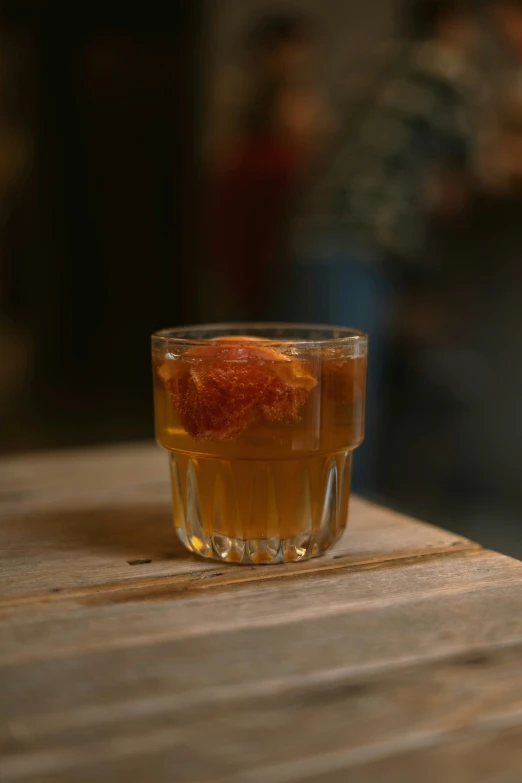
{"x": 397, "y": 657}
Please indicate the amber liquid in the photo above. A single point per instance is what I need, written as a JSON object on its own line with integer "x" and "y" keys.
{"x": 279, "y": 490}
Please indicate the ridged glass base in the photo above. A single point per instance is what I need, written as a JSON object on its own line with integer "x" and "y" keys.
{"x": 254, "y": 512}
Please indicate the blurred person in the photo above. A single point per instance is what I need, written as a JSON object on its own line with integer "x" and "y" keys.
{"x": 275, "y": 49}
{"x": 362, "y": 238}
{"x": 264, "y": 147}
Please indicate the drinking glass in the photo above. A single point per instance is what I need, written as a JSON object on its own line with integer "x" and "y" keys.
{"x": 260, "y": 422}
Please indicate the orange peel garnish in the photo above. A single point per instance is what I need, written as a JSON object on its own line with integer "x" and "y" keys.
{"x": 221, "y": 388}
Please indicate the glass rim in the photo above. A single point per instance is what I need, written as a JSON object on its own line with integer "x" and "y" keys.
{"x": 343, "y": 335}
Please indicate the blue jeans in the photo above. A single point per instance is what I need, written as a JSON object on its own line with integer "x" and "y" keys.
{"x": 356, "y": 291}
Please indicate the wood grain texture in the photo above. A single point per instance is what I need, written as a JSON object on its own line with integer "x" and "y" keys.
{"x": 396, "y": 657}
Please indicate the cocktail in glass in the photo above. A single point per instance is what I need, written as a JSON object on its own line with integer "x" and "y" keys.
{"x": 260, "y": 422}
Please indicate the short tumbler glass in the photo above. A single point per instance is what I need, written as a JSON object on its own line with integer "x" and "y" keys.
{"x": 260, "y": 422}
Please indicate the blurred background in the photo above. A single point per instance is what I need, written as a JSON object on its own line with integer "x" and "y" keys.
{"x": 315, "y": 160}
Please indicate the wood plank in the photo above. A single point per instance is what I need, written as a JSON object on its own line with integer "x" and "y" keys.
{"x": 490, "y": 757}
{"x": 129, "y": 617}
{"x": 83, "y": 478}
{"x": 489, "y": 753}
{"x": 367, "y": 724}
{"x": 190, "y": 667}
{"x": 83, "y": 518}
